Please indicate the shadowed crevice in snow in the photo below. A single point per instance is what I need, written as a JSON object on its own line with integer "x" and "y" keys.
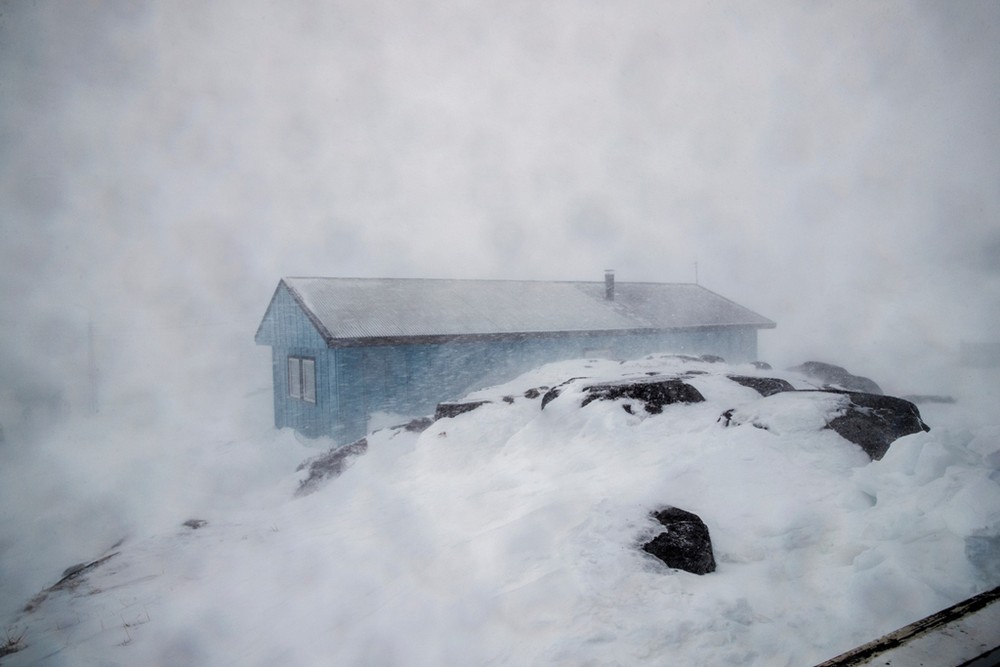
{"x": 983, "y": 551}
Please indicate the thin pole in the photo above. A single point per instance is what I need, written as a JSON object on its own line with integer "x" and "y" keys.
{"x": 92, "y": 368}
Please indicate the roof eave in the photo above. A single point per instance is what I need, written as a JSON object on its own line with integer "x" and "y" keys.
{"x": 437, "y": 339}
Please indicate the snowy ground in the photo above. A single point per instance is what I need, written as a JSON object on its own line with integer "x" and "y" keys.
{"x": 508, "y": 536}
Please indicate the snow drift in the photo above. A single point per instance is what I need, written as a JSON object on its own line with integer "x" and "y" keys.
{"x": 509, "y": 534}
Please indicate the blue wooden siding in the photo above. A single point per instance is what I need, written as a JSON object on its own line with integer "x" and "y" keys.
{"x": 311, "y": 419}
{"x": 285, "y": 325}
{"x": 411, "y": 379}
{"x": 290, "y": 333}
{"x": 352, "y": 383}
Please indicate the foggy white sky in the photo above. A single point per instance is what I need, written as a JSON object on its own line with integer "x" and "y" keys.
{"x": 833, "y": 166}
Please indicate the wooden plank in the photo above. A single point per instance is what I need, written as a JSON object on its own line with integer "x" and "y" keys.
{"x": 964, "y": 635}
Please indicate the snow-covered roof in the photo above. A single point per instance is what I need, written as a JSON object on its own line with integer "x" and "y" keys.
{"x": 390, "y": 308}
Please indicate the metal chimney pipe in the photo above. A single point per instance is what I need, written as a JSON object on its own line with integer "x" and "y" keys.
{"x": 609, "y": 284}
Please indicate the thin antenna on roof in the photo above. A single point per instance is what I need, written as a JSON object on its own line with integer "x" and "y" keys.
{"x": 695, "y": 272}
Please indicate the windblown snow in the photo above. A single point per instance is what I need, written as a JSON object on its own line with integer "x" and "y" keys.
{"x": 510, "y": 535}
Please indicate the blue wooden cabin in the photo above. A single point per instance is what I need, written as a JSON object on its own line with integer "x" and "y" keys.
{"x": 346, "y": 349}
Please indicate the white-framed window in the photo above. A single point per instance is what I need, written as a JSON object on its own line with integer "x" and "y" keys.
{"x": 302, "y": 378}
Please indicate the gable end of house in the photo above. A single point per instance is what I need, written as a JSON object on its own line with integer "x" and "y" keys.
{"x": 288, "y": 323}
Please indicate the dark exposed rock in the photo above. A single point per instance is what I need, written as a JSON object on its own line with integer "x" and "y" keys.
{"x": 508, "y": 399}
{"x": 712, "y": 358}
{"x": 835, "y": 377}
{"x": 532, "y": 393}
{"x": 654, "y": 393}
{"x": 12, "y": 644}
{"x": 554, "y": 392}
{"x": 761, "y": 365}
{"x": 871, "y": 421}
{"x": 550, "y": 395}
{"x": 726, "y": 419}
{"x": 72, "y": 577}
{"x": 764, "y": 386}
{"x": 419, "y": 425}
{"x": 874, "y": 421}
{"x": 454, "y": 409}
{"x": 331, "y": 464}
{"x": 195, "y": 524}
{"x": 76, "y": 571}
{"x": 685, "y": 544}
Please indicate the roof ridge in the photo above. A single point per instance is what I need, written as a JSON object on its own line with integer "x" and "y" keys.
{"x": 375, "y": 308}
{"x": 493, "y": 280}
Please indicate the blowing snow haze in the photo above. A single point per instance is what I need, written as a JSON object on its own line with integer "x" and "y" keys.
{"x": 834, "y": 167}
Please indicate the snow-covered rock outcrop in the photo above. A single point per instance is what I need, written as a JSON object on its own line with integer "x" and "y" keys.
{"x": 511, "y": 535}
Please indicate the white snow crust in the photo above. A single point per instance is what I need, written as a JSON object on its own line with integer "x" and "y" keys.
{"x": 510, "y": 535}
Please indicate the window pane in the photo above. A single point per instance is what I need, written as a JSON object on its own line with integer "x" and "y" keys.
{"x": 294, "y": 378}
{"x": 309, "y": 380}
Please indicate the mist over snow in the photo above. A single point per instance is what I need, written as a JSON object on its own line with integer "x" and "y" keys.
{"x": 511, "y": 535}
{"x": 835, "y": 168}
